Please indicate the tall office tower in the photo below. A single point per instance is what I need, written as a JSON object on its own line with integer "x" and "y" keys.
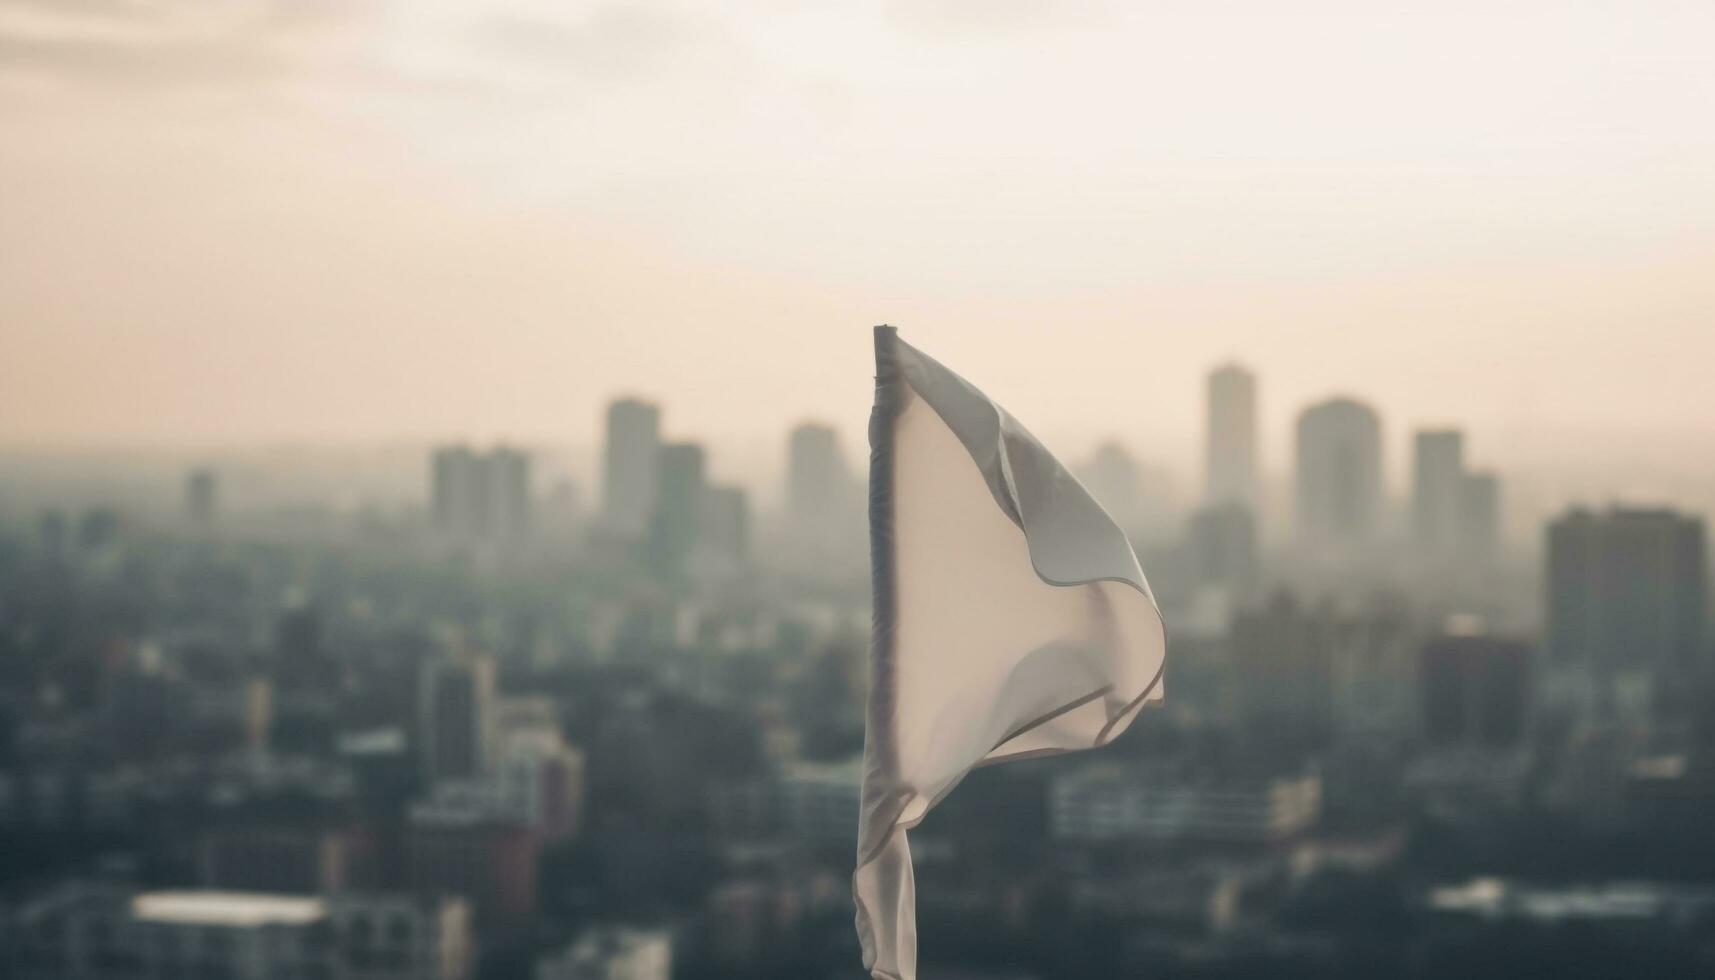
{"x": 481, "y": 495}
{"x": 457, "y": 490}
{"x": 1479, "y": 530}
{"x": 1115, "y": 480}
{"x": 1339, "y": 473}
{"x": 818, "y": 485}
{"x": 630, "y": 466}
{"x": 725, "y": 522}
{"x": 1282, "y": 658}
{"x": 508, "y": 476}
{"x": 1627, "y": 590}
{"x": 1437, "y": 489}
{"x": 680, "y": 487}
{"x": 1475, "y": 690}
{"x": 1231, "y": 462}
{"x": 1222, "y": 541}
{"x": 202, "y": 496}
{"x": 457, "y": 721}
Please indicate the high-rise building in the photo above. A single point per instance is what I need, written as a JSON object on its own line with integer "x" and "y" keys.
{"x": 1479, "y": 530}
{"x": 1455, "y": 511}
{"x": 1437, "y": 488}
{"x": 481, "y": 495}
{"x": 725, "y": 541}
{"x": 508, "y": 493}
{"x": 457, "y": 721}
{"x": 818, "y": 485}
{"x": 1231, "y": 449}
{"x": 1475, "y": 690}
{"x": 681, "y": 485}
{"x": 631, "y": 461}
{"x": 1627, "y": 590}
{"x": 1114, "y": 478}
{"x": 202, "y": 496}
{"x": 1223, "y": 547}
{"x": 1339, "y": 492}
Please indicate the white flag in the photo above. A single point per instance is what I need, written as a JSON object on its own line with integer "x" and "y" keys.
{"x": 1011, "y": 620}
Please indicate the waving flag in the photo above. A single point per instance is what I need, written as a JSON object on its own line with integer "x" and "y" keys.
{"x": 1011, "y": 620}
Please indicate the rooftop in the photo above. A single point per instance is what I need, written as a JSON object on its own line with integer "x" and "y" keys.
{"x": 237, "y": 909}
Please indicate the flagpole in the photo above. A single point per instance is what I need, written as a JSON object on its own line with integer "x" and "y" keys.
{"x": 881, "y": 749}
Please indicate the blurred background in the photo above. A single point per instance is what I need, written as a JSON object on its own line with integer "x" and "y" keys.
{"x": 432, "y": 456}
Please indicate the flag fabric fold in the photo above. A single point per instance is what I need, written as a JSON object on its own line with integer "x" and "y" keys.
{"x": 1011, "y": 620}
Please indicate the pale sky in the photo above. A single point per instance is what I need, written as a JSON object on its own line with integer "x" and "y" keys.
{"x": 225, "y": 221}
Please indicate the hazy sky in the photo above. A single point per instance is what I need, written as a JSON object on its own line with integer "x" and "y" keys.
{"x": 232, "y": 220}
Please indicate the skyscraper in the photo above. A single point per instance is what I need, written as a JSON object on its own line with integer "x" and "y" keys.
{"x": 481, "y": 495}
{"x": 1627, "y": 590}
{"x": 1223, "y": 548}
{"x": 202, "y": 496}
{"x": 818, "y": 485}
{"x": 1437, "y": 488}
{"x": 1479, "y": 530}
{"x": 456, "y": 717}
{"x": 455, "y": 489}
{"x": 676, "y": 526}
{"x": 1475, "y": 689}
{"x": 1339, "y": 480}
{"x": 1231, "y": 460}
{"x": 725, "y": 521}
{"x": 630, "y": 465}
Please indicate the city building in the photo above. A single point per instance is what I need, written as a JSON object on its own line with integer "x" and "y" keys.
{"x": 1230, "y": 453}
{"x": 300, "y": 860}
{"x": 819, "y": 486}
{"x": 724, "y": 545}
{"x": 608, "y": 953}
{"x": 1339, "y": 475}
{"x": 480, "y": 496}
{"x": 1437, "y": 488}
{"x": 387, "y": 936}
{"x": 630, "y": 462}
{"x": 100, "y": 932}
{"x": 1475, "y": 690}
{"x": 1627, "y": 591}
{"x": 1455, "y": 510}
{"x": 202, "y": 496}
{"x": 820, "y": 800}
{"x": 1223, "y": 544}
{"x": 1112, "y": 802}
{"x": 456, "y": 717}
{"x": 681, "y": 487}
{"x": 491, "y": 865}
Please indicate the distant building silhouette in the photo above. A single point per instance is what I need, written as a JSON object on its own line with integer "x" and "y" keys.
{"x": 480, "y": 496}
{"x": 202, "y": 496}
{"x": 630, "y": 465}
{"x": 1455, "y": 511}
{"x": 1230, "y": 460}
{"x": 1627, "y": 589}
{"x": 725, "y": 541}
{"x": 1480, "y": 515}
{"x": 681, "y": 488}
{"x": 456, "y": 717}
{"x": 1475, "y": 690}
{"x": 1339, "y": 479}
{"x": 818, "y": 484}
{"x": 1223, "y": 543}
{"x": 1437, "y": 488}
{"x": 1114, "y": 478}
